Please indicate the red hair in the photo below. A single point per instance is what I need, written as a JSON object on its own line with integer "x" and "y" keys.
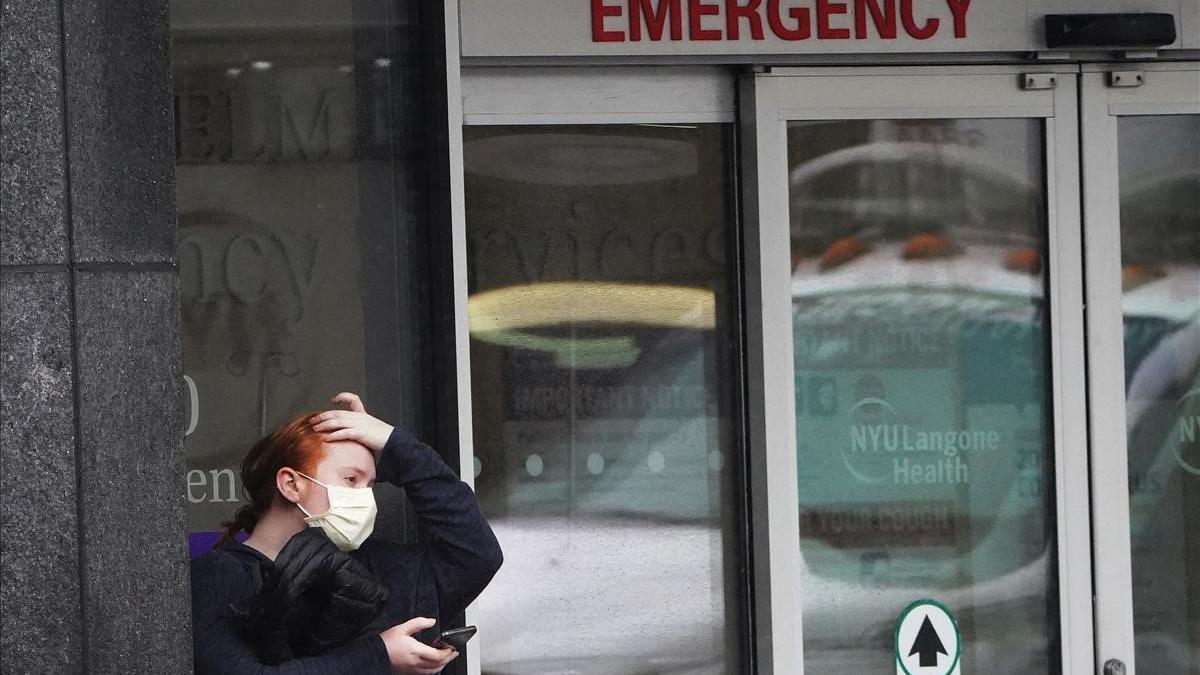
{"x": 293, "y": 444}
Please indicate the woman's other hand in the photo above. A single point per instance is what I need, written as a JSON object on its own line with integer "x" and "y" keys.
{"x": 353, "y": 424}
{"x": 410, "y": 656}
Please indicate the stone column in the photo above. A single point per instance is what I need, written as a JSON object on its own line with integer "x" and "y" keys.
{"x": 92, "y": 538}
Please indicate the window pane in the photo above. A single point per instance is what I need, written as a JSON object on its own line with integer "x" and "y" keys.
{"x": 922, "y": 414}
{"x": 1159, "y": 174}
{"x": 601, "y": 360}
{"x": 298, "y": 175}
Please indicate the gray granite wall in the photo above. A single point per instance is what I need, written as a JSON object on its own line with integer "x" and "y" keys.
{"x": 92, "y": 533}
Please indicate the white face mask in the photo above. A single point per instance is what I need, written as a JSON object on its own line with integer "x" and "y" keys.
{"x": 350, "y": 518}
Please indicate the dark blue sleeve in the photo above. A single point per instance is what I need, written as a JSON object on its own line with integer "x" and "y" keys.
{"x": 218, "y": 584}
{"x": 460, "y": 553}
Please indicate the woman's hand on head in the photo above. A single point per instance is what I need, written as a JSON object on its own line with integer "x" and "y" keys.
{"x": 411, "y": 656}
{"x": 354, "y": 424}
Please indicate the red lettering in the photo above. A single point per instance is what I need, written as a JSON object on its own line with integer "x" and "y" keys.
{"x": 959, "y": 9}
{"x": 803, "y": 28}
{"x": 826, "y": 9}
{"x": 697, "y": 10}
{"x": 910, "y": 22}
{"x": 651, "y": 19}
{"x": 655, "y": 19}
{"x": 884, "y": 18}
{"x": 599, "y": 12}
{"x": 734, "y": 11}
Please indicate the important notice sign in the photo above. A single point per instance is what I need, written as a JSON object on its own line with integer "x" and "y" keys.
{"x": 927, "y": 640}
{"x": 499, "y": 28}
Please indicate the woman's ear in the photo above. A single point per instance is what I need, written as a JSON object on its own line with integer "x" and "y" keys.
{"x": 287, "y": 481}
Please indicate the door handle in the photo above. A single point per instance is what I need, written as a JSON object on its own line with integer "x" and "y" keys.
{"x": 1114, "y": 667}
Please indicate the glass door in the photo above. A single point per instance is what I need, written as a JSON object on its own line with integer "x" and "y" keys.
{"x": 605, "y": 362}
{"x": 1142, "y": 209}
{"x": 916, "y": 373}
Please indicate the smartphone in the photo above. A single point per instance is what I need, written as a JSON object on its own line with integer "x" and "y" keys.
{"x": 455, "y": 637}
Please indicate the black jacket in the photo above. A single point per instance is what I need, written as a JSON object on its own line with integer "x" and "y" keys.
{"x": 313, "y": 598}
{"x": 437, "y": 577}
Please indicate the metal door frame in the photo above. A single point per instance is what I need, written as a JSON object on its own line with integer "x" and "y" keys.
{"x": 769, "y": 100}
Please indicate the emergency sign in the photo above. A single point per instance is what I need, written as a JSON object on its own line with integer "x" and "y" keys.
{"x": 709, "y": 20}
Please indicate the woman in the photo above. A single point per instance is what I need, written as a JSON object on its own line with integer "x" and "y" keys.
{"x": 312, "y": 473}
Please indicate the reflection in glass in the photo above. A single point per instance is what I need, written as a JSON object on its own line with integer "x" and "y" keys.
{"x": 296, "y": 166}
{"x": 923, "y": 426}
{"x": 601, "y": 354}
{"x": 1159, "y": 174}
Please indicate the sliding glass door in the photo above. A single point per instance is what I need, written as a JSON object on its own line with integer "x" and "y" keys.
{"x": 1142, "y": 208}
{"x": 922, "y": 404}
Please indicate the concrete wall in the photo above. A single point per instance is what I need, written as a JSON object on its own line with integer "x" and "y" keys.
{"x": 92, "y": 549}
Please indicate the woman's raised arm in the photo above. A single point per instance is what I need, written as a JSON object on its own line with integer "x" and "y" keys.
{"x": 461, "y": 551}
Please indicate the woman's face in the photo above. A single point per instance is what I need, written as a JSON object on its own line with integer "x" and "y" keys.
{"x": 346, "y": 464}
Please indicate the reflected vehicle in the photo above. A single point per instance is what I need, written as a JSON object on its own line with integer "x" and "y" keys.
{"x": 923, "y": 414}
{"x": 920, "y": 333}
{"x": 924, "y": 455}
{"x": 1163, "y": 384}
{"x": 1159, "y": 172}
